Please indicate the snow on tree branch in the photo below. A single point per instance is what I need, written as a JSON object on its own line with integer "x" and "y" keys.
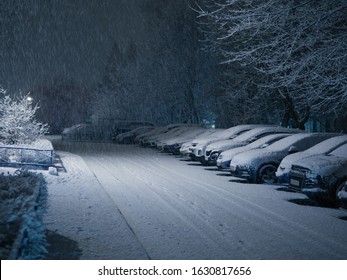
{"x": 17, "y": 120}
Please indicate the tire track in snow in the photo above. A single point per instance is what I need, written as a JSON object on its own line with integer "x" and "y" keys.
{"x": 262, "y": 213}
{"x": 212, "y": 245}
{"x": 257, "y": 214}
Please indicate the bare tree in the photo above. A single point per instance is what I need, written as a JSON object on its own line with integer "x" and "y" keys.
{"x": 299, "y": 48}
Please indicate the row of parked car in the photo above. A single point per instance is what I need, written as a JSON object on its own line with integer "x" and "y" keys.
{"x": 312, "y": 163}
{"x": 105, "y": 130}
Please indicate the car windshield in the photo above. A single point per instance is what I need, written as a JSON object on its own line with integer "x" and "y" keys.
{"x": 340, "y": 152}
{"x": 266, "y": 140}
{"x": 233, "y": 131}
{"x": 287, "y": 142}
{"x": 327, "y": 145}
{"x": 252, "y": 133}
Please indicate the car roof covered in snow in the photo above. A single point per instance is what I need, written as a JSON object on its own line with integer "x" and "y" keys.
{"x": 236, "y": 130}
{"x": 340, "y": 152}
{"x": 328, "y": 145}
{"x": 261, "y": 130}
{"x": 294, "y": 139}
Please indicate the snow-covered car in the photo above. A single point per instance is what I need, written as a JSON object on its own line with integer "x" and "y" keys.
{"x": 213, "y": 150}
{"x": 259, "y": 165}
{"x": 321, "y": 177}
{"x": 144, "y": 139}
{"x": 342, "y": 195}
{"x": 225, "y": 158}
{"x": 172, "y": 133}
{"x": 198, "y": 148}
{"x": 324, "y": 147}
{"x": 85, "y": 132}
{"x": 186, "y": 147}
{"x": 173, "y": 144}
{"x": 71, "y": 133}
{"x": 160, "y": 141}
{"x": 129, "y": 137}
{"x": 126, "y": 126}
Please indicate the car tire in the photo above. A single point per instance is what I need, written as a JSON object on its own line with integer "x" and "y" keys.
{"x": 340, "y": 186}
{"x": 266, "y": 174}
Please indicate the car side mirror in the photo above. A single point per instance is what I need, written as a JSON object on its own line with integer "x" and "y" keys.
{"x": 292, "y": 150}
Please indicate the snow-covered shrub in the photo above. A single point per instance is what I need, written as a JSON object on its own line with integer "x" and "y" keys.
{"x": 17, "y": 120}
{"x": 22, "y": 233}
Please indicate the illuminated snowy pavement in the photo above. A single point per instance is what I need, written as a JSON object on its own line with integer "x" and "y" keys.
{"x": 127, "y": 202}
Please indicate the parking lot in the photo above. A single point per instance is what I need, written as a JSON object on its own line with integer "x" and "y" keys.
{"x": 179, "y": 209}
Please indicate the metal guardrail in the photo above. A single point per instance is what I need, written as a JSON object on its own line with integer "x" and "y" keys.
{"x": 10, "y": 156}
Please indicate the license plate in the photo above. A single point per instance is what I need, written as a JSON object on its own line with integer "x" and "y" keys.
{"x": 294, "y": 182}
{"x": 233, "y": 167}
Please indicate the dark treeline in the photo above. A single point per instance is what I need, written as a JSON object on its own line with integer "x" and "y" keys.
{"x": 226, "y": 61}
{"x": 286, "y": 58}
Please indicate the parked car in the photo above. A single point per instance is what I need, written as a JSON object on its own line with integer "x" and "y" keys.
{"x": 129, "y": 137}
{"x": 125, "y": 126}
{"x": 173, "y": 144}
{"x": 70, "y": 133}
{"x": 213, "y": 150}
{"x": 198, "y": 148}
{"x": 342, "y": 195}
{"x": 147, "y": 138}
{"x": 321, "y": 177}
{"x": 324, "y": 147}
{"x": 186, "y": 147}
{"x": 259, "y": 165}
{"x": 172, "y": 133}
{"x": 142, "y": 138}
{"x": 84, "y": 131}
{"x": 226, "y": 157}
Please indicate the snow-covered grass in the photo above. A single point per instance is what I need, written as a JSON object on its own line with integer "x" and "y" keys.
{"x": 22, "y": 194}
{"x": 22, "y": 234}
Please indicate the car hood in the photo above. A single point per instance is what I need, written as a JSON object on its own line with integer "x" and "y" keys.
{"x": 176, "y": 140}
{"x": 229, "y": 154}
{"x": 258, "y": 157}
{"x": 224, "y": 144}
{"x": 295, "y": 158}
{"x": 323, "y": 164}
{"x": 203, "y": 142}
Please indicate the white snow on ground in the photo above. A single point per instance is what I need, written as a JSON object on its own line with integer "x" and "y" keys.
{"x": 42, "y": 144}
{"x": 80, "y": 210}
{"x": 124, "y": 202}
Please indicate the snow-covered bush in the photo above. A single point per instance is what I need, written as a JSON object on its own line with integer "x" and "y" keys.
{"x": 17, "y": 120}
{"x": 22, "y": 233}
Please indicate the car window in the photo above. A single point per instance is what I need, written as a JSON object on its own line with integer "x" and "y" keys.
{"x": 270, "y": 139}
{"x": 286, "y": 143}
{"x": 300, "y": 141}
{"x": 328, "y": 145}
{"x": 341, "y": 151}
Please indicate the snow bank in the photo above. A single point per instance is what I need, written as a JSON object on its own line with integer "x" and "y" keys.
{"x": 41, "y": 144}
{"x": 39, "y": 152}
{"x": 22, "y": 231}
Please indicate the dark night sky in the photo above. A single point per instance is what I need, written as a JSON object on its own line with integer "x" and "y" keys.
{"x": 45, "y": 39}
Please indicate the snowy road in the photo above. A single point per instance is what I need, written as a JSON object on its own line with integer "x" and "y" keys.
{"x": 176, "y": 209}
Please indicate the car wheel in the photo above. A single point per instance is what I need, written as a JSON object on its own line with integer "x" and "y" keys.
{"x": 267, "y": 174}
{"x": 340, "y": 186}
